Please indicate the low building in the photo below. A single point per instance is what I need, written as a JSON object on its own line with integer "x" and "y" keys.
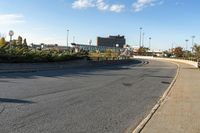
{"x": 93, "y": 48}
{"x": 43, "y": 46}
{"x": 111, "y": 41}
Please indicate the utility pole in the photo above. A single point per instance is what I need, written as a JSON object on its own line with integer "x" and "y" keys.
{"x": 150, "y": 43}
{"x": 193, "y": 40}
{"x": 143, "y": 39}
{"x": 140, "y": 36}
{"x": 67, "y": 38}
{"x": 186, "y": 46}
{"x": 11, "y": 33}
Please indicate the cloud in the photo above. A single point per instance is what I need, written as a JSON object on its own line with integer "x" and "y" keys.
{"x": 82, "y": 4}
{"x": 7, "y": 19}
{"x": 117, "y": 8}
{"x": 99, "y": 4}
{"x": 139, "y": 5}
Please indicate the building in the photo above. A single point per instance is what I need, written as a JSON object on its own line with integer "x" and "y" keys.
{"x": 111, "y": 41}
{"x": 43, "y": 46}
{"x": 90, "y": 48}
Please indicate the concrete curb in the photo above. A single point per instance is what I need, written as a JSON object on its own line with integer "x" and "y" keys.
{"x": 143, "y": 123}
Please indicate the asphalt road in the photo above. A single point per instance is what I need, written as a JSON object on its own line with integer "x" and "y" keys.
{"x": 104, "y": 100}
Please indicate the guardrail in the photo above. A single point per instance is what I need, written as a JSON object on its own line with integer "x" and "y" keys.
{"x": 190, "y": 62}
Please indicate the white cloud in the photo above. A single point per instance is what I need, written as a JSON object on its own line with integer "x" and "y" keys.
{"x": 83, "y": 4}
{"x": 7, "y": 19}
{"x": 117, "y": 8}
{"x": 99, "y": 4}
{"x": 139, "y": 5}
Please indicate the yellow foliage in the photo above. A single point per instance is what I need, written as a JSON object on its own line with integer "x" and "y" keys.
{"x": 2, "y": 42}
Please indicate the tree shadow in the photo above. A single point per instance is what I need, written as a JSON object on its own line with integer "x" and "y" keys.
{"x": 9, "y": 100}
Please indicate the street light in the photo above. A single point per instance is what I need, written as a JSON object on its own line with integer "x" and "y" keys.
{"x": 11, "y": 33}
{"x": 193, "y": 42}
{"x": 186, "y": 46}
{"x": 143, "y": 39}
{"x": 150, "y": 43}
{"x": 140, "y": 36}
{"x": 67, "y": 38}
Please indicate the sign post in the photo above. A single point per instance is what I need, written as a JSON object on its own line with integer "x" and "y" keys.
{"x": 11, "y": 33}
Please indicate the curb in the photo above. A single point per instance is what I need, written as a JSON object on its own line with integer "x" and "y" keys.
{"x": 143, "y": 123}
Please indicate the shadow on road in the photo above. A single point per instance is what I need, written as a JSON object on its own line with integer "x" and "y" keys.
{"x": 81, "y": 71}
{"x": 8, "y": 100}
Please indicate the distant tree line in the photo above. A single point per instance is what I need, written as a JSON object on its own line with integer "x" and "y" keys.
{"x": 177, "y": 52}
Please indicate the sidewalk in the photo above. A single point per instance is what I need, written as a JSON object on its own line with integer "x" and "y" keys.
{"x": 180, "y": 112}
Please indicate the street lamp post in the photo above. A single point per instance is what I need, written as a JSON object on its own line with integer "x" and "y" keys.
{"x": 67, "y": 38}
{"x": 150, "y": 43}
{"x": 143, "y": 34}
{"x": 193, "y": 40}
{"x": 11, "y": 33}
{"x": 140, "y": 36}
{"x": 186, "y": 46}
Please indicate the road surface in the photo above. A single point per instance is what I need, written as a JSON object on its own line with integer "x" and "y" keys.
{"x": 93, "y": 100}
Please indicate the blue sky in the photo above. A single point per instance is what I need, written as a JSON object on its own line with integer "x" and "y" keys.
{"x": 47, "y": 21}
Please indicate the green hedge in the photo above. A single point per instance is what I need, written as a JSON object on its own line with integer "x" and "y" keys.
{"x": 26, "y": 55}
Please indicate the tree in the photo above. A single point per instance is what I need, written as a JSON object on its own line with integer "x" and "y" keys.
{"x": 178, "y": 52}
{"x": 19, "y": 41}
{"x": 2, "y": 42}
{"x": 196, "y": 49}
{"x": 14, "y": 42}
{"x": 108, "y": 53}
{"x": 142, "y": 51}
{"x": 167, "y": 53}
{"x": 25, "y": 43}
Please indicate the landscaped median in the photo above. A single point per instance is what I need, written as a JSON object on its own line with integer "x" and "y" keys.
{"x": 81, "y": 63}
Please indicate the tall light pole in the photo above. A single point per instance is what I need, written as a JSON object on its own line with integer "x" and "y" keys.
{"x": 11, "y": 33}
{"x": 67, "y": 38}
{"x": 172, "y": 48}
{"x": 186, "y": 46}
{"x": 143, "y": 34}
{"x": 140, "y": 36}
{"x": 150, "y": 43}
{"x": 193, "y": 40}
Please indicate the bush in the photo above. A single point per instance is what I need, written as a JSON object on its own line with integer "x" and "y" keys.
{"x": 25, "y": 55}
